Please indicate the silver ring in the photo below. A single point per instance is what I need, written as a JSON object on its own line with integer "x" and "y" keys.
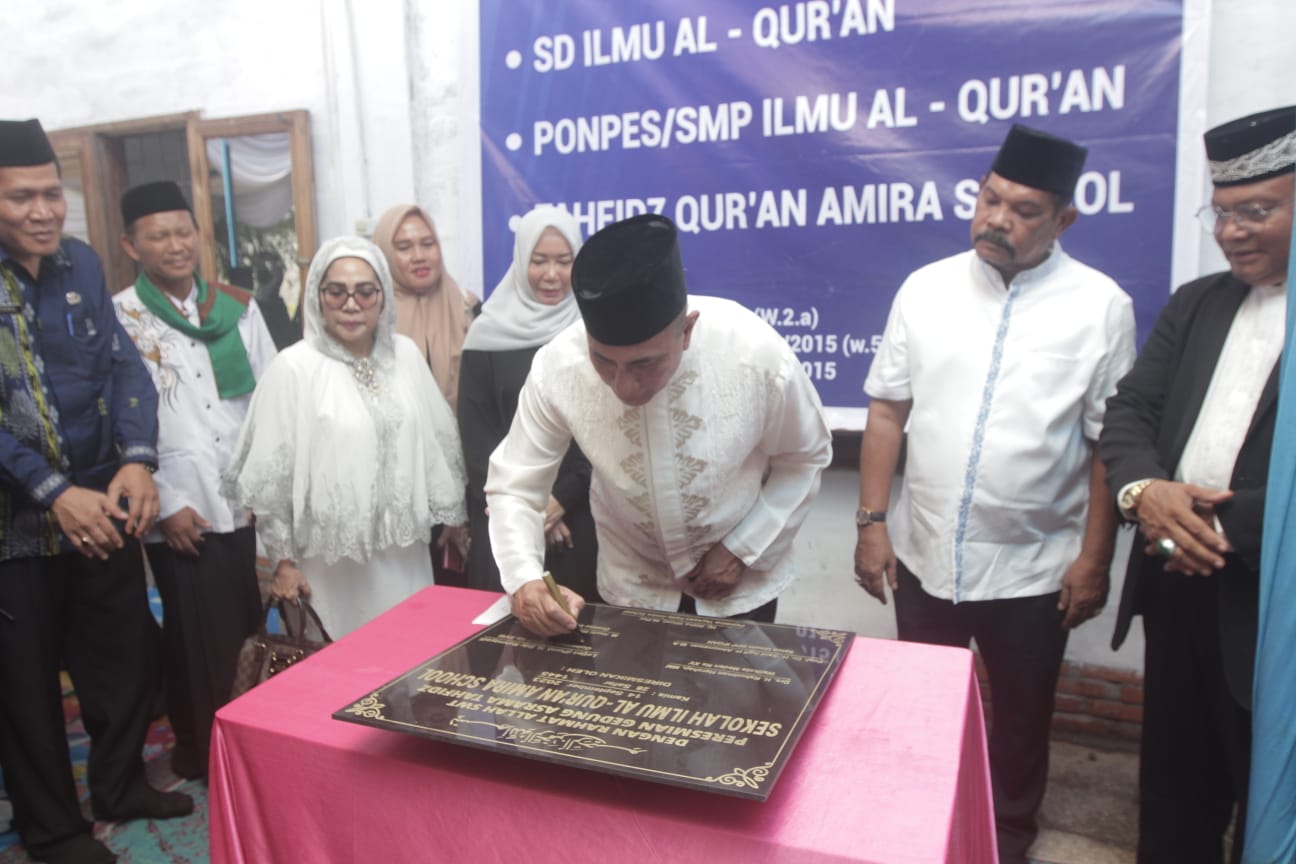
{"x": 85, "y": 539}
{"x": 1166, "y": 547}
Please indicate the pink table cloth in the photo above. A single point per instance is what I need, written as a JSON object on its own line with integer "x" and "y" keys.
{"x": 892, "y": 768}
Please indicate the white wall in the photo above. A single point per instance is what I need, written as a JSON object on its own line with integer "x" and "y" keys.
{"x": 391, "y": 86}
{"x": 1252, "y": 67}
{"x": 826, "y": 594}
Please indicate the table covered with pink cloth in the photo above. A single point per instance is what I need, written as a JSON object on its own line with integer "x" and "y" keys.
{"x": 892, "y": 768}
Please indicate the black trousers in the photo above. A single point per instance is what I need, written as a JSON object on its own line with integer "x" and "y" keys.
{"x": 762, "y": 614}
{"x": 93, "y": 616}
{"x": 210, "y": 604}
{"x": 1022, "y": 642}
{"x": 1195, "y": 755}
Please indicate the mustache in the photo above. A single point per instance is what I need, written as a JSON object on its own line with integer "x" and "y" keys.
{"x": 998, "y": 238}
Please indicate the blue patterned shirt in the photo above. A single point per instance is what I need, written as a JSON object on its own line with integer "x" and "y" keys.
{"x": 76, "y": 401}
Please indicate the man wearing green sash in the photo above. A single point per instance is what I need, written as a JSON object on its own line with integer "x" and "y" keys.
{"x": 205, "y": 345}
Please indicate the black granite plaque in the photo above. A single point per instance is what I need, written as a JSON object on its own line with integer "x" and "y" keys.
{"x": 706, "y": 703}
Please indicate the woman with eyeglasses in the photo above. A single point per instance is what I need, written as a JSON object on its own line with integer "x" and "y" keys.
{"x": 349, "y": 454}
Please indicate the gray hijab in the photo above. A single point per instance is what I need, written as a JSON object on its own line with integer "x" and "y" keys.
{"x": 383, "y": 355}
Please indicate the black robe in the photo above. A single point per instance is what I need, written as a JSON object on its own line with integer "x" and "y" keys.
{"x": 489, "y": 384}
{"x": 1145, "y": 430}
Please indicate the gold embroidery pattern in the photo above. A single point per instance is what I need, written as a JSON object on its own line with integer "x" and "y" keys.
{"x": 682, "y": 383}
{"x": 689, "y": 467}
{"x": 751, "y": 778}
{"x": 836, "y": 637}
{"x": 633, "y": 466}
{"x": 561, "y": 741}
{"x": 368, "y": 707}
{"x": 642, "y": 502}
{"x": 628, "y": 423}
{"x": 156, "y": 342}
{"x": 685, "y": 425}
{"x": 694, "y": 505}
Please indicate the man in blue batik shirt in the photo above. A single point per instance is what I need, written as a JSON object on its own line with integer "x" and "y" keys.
{"x": 78, "y": 432}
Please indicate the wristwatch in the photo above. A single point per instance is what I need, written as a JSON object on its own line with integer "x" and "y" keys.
{"x": 1130, "y": 495}
{"x": 865, "y": 517}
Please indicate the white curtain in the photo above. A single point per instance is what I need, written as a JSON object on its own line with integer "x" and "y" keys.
{"x": 261, "y": 175}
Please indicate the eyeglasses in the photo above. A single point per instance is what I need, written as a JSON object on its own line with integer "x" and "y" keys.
{"x": 1248, "y": 217}
{"x": 335, "y": 296}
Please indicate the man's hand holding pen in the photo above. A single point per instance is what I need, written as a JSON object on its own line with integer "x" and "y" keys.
{"x": 541, "y": 610}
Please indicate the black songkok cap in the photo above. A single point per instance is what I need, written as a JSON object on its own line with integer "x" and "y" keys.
{"x": 1040, "y": 160}
{"x": 162, "y": 196}
{"x": 23, "y": 143}
{"x": 1254, "y": 148}
{"x": 629, "y": 281}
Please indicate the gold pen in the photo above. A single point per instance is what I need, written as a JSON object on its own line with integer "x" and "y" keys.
{"x": 557, "y": 595}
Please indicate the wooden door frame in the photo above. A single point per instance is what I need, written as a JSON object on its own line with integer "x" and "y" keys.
{"x": 297, "y": 126}
{"x": 99, "y": 150}
{"x": 103, "y": 178}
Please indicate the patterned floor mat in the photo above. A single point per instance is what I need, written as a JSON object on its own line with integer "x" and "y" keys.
{"x": 174, "y": 841}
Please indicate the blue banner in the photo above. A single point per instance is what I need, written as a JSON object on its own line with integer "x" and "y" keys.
{"x": 815, "y": 153}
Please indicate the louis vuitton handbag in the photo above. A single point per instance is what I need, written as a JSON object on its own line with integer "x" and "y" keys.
{"x": 265, "y": 654}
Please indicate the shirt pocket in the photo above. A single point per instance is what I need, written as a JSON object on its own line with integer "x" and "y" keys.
{"x": 79, "y": 349}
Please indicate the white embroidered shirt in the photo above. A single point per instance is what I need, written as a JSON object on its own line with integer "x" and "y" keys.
{"x": 730, "y": 451}
{"x": 196, "y": 428}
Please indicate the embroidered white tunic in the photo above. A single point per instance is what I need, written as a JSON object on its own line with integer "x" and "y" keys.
{"x": 349, "y": 462}
{"x": 1009, "y": 387}
{"x": 730, "y": 451}
{"x": 197, "y": 429}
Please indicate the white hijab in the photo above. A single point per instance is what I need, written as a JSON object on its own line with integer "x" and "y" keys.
{"x": 512, "y": 318}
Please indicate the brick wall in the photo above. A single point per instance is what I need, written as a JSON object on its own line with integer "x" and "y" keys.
{"x": 1091, "y": 700}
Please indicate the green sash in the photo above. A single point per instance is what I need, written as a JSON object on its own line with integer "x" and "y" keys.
{"x": 220, "y": 315}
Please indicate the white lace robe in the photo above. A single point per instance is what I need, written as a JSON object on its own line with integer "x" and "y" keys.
{"x": 337, "y": 480}
{"x": 730, "y": 451}
{"x": 347, "y": 480}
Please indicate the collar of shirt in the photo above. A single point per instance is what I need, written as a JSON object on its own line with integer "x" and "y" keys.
{"x": 187, "y": 307}
{"x": 59, "y": 259}
{"x": 1023, "y": 281}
